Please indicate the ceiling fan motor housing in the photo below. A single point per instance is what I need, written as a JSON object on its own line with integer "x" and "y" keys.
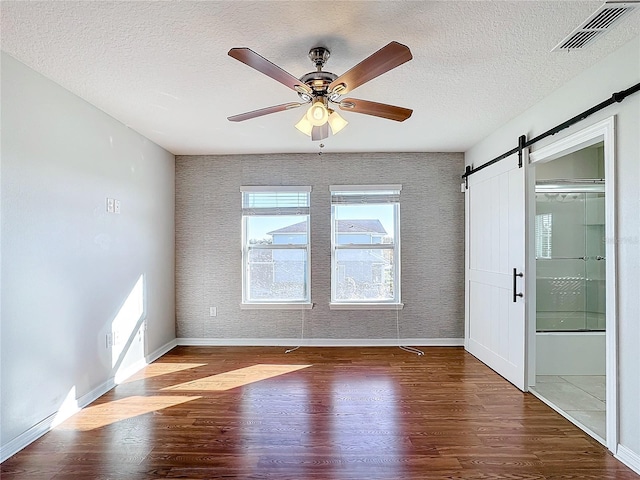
{"x": 318, "y": 81}
{"x": 319, "y": 56}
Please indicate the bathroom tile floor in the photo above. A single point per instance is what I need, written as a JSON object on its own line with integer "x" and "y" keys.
{"x": 582, "y": 397}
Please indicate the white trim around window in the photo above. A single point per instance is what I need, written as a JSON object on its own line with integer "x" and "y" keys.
{"x": 365, "y": 247}
{"x": 275, "y": 188}
{"x": 276, "y": 248}
{"x": 365, "y": 188}
{"x": 276, "y": 306}
{"x": 366, "y": 306}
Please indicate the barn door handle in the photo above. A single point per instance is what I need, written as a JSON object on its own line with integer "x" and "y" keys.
{"x": 515, "y": 295}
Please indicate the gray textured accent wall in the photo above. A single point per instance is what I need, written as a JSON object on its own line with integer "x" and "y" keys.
{"x": 208, "y": 245}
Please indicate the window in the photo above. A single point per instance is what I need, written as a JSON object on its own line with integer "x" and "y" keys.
{"x": 275, "y": 253}
{"x": 365, "y": 246}
{"x": 543, "y": 233}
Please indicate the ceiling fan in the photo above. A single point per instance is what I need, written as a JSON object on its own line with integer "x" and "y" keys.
{"x": 323, "y": 90}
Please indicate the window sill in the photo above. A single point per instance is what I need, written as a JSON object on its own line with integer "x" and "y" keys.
{"x": 366, "y": 306}
{"x": 276, "y": 306}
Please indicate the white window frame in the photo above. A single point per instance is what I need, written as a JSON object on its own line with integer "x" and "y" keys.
{"x": 248, "y": 212}
{"x": 366, "y": 194}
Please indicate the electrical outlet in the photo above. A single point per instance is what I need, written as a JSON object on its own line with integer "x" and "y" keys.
{"x": 213, "y": 311}
{"x": 110, "y": 205}
{"x": 116, "y": 206}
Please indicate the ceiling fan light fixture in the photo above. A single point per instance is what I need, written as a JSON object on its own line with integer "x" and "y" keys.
{"x": 338, "y": 89}
{"x": 317, "y": 114}
{"x": 304, "y": 125}
{"x": 336, "y": 122}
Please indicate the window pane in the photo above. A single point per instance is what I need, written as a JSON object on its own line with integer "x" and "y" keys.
{"x": 364, "y": 275}
{"x": 277, "y": 274}
{"x": 543, "y": 234}
{"x": 364, "y": 224}
{"x": 277, "y": 230}
{"x": 275, "y": 199}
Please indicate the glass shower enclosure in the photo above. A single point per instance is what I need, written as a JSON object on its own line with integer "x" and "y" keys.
{"x": 570, "y": 255}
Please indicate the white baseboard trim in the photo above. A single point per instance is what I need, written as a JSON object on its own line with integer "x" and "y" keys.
{"x": 629, "y": 458}
{"x": 39, "y": 429}
{"x": 94, "y": 394}
{"x": 21, "y": 441}
{"x": 131, "y": 370}
{"x": 153, "y": 356}
{"x": 320, "y": 342}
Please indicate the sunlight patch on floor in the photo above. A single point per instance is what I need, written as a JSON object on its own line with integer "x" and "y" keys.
{"x": 236, "y": 378}
{"x": 104, "y": 414}
{"x": 158, "y": 369}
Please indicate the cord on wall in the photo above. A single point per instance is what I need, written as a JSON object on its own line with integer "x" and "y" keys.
{"x": 404, "y": 347}
{"x": 301, "y": 332}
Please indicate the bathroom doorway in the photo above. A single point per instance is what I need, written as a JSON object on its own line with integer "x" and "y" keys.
{"x": 569, "y": 250}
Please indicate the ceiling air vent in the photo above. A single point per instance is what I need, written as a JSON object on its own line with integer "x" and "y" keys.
{"x": 597, "y": 24}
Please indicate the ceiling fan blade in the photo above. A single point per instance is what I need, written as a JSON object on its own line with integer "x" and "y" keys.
{"x": 399, "y": 114}
{"x": 385, "y": 59}
{"x": 263, "y": 111}
{"x": 251, "y": 58}
{"x": 320, "y": 133}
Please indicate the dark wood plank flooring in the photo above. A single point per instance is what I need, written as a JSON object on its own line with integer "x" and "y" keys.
{"x": 317, "y": 413}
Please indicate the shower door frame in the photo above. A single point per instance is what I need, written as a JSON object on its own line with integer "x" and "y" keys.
{"x": 602, "y": 131}
{"x": 580, "y": 191}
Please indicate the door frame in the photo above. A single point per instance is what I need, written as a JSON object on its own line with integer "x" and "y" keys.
{"x": 601, "y": 131}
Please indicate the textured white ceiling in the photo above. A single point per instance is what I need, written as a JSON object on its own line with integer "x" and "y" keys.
{"x": 162, "y": 67}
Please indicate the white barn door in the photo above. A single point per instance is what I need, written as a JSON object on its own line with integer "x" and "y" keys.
{"x": 495, "y": 294}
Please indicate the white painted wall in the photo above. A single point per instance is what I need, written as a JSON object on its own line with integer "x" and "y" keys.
{"x": 69, "y": 269}
{"x": 618, "y": 71}
{"x": 585, "y": 163}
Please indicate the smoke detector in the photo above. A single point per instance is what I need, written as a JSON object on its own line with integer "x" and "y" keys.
{"x": 597, "y": 24}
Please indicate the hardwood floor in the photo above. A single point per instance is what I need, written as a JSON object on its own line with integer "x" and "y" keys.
{"x": 317, "y": 413}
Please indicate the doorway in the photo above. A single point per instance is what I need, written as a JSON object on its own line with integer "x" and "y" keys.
{"x": 572, "y": 320}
